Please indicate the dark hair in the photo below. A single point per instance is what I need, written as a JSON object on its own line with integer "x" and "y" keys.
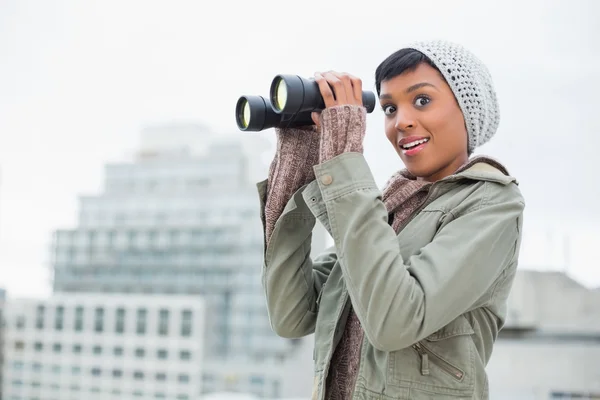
{"x": 399, "y": 62}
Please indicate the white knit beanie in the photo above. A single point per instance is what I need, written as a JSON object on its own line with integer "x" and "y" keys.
{"x": 471, "y": 84}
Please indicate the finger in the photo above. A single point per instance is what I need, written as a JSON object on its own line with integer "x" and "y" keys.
{"x": 346, "y": 80}
{"x": 316, "y": 115}
{"x": 338, "y": 87}
{"x": 356, "y": 89}
{"x": 325, "y": 90}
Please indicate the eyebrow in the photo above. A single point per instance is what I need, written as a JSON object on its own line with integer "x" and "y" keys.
{"x": 412, "y": 88}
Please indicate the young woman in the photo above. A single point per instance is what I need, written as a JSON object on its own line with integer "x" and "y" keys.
{"x": 408, "y": 302}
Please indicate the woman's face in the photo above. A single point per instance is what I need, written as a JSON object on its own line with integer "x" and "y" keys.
{"x": 424, "y": 123}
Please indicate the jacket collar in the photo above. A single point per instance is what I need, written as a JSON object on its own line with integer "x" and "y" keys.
{"x": 482, "y": 168}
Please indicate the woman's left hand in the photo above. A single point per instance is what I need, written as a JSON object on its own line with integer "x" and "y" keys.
{"x": 338, "y": 89}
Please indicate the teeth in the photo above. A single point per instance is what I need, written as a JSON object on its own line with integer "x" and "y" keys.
{"x": 415, "y": 143}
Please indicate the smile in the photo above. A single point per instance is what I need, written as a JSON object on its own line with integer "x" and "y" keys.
{"x": 413, "y": 147}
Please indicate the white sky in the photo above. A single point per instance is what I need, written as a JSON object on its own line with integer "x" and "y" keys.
{"x": 78, "y": 79}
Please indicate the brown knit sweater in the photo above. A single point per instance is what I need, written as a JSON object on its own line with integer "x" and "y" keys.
{"x": 298, "y": 150}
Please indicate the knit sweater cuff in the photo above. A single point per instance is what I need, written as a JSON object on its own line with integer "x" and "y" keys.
{"x": 343, "y": 130}
{"x": 291, "y": 168}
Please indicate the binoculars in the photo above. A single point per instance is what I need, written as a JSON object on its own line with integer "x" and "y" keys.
{"x": 291, "y": 101}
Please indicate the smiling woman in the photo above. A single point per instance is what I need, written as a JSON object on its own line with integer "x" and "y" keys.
{"x": 409, "y": 301}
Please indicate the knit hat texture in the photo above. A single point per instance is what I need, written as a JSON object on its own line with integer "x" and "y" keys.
{"x": 471, "y": 84}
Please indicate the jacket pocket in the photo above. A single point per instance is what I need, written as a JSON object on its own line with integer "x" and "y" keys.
{"x": 441, "y": 364}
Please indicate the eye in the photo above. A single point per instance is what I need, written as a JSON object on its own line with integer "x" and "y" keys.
{"x": 422, "y": 101}
{"x": 388, "y": 109}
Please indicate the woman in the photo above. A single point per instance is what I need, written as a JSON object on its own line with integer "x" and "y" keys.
{"x": 408, "y": 302}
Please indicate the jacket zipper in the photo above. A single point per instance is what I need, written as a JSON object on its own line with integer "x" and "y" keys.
{"x": 427, "y": 355}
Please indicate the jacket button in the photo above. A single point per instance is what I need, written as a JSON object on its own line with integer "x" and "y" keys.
{"x": 326, "y": 179}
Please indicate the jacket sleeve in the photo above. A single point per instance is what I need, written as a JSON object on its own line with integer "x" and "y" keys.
{"x": 401, "y": 301}
{"x": 291, "y": 279}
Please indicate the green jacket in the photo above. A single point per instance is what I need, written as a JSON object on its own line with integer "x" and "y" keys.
{"x": 431, "y": 299}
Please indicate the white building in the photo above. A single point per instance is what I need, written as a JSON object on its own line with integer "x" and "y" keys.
{"x": 2, "y": 299}
{"x": 550, "y": 346}
{"x": 183, "y": 218}
{"x": 104, "y": 346}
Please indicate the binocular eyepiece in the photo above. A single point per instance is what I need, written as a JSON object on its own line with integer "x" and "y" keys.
{"x": 292, "y": 99}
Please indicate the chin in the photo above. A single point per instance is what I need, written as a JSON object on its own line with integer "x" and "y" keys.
{"x": 421, "y": 168}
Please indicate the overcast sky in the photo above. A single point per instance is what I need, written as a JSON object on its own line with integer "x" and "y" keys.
{"x": 78, "y": 79}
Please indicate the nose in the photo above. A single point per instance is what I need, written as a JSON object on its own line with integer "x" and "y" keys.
{"x": 405, "y": 121}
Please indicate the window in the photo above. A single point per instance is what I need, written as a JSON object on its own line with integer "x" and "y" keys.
{"x": 162, "y": 354}
{"x": 186, "y": 323}
{"x": 56, "y": 369}
{"x": 161, "y": 376}
{"x": 163, "y": 322}
{"x": 117, "y": 373}
{"x": 57, "y": 347}
{"x": 99, "y": 320}
{"x": 75, "y": 370}
{"x": 20, "y": 322}
{"x": 39, "y": 346}
{"x": 141, "y": 321}
{"x": 76, "y": 348}
{"x": 120, "y": 320}
{"x": 37, "y": 367}
{"x": 140, "y": 353}
{"x": 138, "y": 375}
{"x": 58, "y": 318}
{"x": 19, "y": 345}
{"x": 39, "y": 317}
{"x": 79, "y": 319}
{"x": 97, "y": 350}
{"x": 18, "y": 365}
{"x": 118, "y": 351}
{"x": 96, "y": 371}
{"x": 185, "y": 355}
{"x": 183, "y": 378}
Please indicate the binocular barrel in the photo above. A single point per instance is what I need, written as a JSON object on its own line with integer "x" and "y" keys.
{"x": 290, "y": 94}
{"x": 292, "y": 100}
{"x": 255, "y": 113}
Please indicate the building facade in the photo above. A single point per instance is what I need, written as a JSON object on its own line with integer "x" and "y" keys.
{"x": 173, "y": 222}
{"x": 182, "y": 218}
{"x": 2, "y": 329}
{"x": 103, "y": 346}
{"x": 550, "y": 345}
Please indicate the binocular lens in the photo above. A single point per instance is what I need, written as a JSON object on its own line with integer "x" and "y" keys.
{"x": 280, "y": 95}
{"x": 246, "y": 114}
{"x": 243, "y": 113}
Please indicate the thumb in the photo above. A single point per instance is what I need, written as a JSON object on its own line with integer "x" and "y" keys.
{"x": 316, "y": 115}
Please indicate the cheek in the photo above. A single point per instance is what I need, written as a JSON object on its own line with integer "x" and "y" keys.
{"x": 390, "y": 130}
{"x": 450, "y": 125}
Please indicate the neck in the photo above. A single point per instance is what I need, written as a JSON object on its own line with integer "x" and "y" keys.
{"x": 446, "y": 170}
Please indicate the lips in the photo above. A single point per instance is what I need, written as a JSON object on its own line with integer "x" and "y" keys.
{"x": 412, "y": 145}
